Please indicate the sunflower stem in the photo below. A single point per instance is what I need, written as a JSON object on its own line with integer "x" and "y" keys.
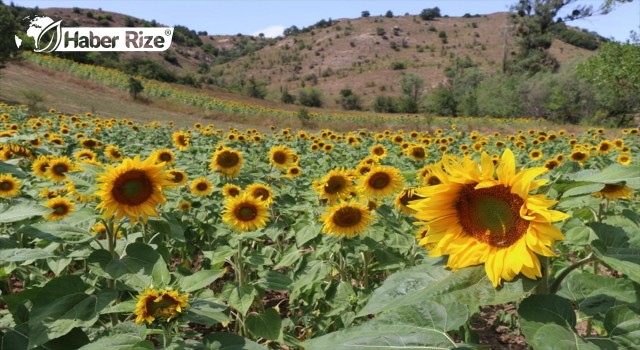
{"x": 543, "y": 287}
{"x": 111, "y": 241}
{"x": 167, "y": 335}
{"x": 556, "y": 284}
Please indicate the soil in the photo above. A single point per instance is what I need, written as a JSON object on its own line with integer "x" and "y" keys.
{"x": 497, "y": 327}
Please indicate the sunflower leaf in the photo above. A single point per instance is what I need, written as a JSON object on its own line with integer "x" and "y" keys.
{"x": 612, "y": 174}
{"x": 22, "y": 211}
{"x": 228, "y": 341}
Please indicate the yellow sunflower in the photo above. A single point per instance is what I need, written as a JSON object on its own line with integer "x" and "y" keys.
{"x": 58, "y": 168}
{"x": 226, "y": 161}
{"x": 260, "y": 191}
{"x": 417, "y": 152}
{"x": 624, "y": 159}
{"x": 381, "y": 181}
{"x": 230, "y": 190}
{"x": 184, "y": 205}
{"x": 475, "y": 218}
{"x": 614, "y": 191}
{"x": 113, "y": 153}
{"x": 579, "y": 156}
{"x": 201, "y": 186}
{"x": 281, "y": 157}
{"x": 9, "y": 186}
{"x": 133, "y": 188}
{"x": 245, "y": 213}
{"x": 163, "y": 304}
{"x": 85, "y": 154}
{"x": 61, "y": 207}
{"x": 294, "y": 172}
{"x": 164, "y": 155}
{"x": 177, "y": 177}
{"x": 100, "y": 231}
{"x": 336, "y": 184}
{"x": 378, "y": 152}
{"x": 535, "y": 154}
{"x": 346, "y": 219}
{"x": 181, "y": 140}
{"x": 403, "y": 199}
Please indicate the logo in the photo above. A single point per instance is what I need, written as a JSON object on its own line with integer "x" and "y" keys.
{"x": 50, "y": 36}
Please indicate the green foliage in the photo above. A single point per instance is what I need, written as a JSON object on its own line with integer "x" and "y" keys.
{"x": 310, "y": 97}
{"x": 441, "y": 101}
{"x": 365, "y": 14}
{"x": 384, "y": 104}
{"x": 186, "y": 36}
{"x": 389, "y": 14}
{"x": 398, "y": 65}
{"x": 9, "y": 27}
{"x": 256, "y": 88}
{"x": 287, "y": 98}
{"x": 584, "y": 39}
{"x": 149, "y": 69}
{"x": 349, "y": 100}
{"x": 135, "y": 87}
{"x": 412, "y": 86}
{"x": 430, "y": 14}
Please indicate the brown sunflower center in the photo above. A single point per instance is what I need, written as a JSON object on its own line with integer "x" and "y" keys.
{"x": 491, "y": 215}
{"x": 612, "y": 188}
{"x": 61, "y": 209}
{"x": 294, "y": 171}
{"x": 60, "y": 169}
{"x": 233, "y": 192}
{"x": 347, "y": 217}
{"x": 201, "y": 186}
{"x": 279, "y": 157}
{"x": 246, "y": 212}
{"x": 182, "y": 140}
{"x": 418, "y": 152}
{"x": 227, "y": 159}
{"x": 6, "y": 185}
{"x": 165, "y": 157}
{"x": 578, "y": 156}
{"x": 408, "y": 196}
{"x": 261, "y": 193}
{"x": 379, "y": 180}
{"x": 433, "y": 180}
{"x": 378, "y": 151}
{"x": 132, "y": 188}
{"x": 335, "y": 184}
{"x": 177, "y": 177}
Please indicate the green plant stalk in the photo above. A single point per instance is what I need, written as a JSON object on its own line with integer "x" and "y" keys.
{"x": 543, "y": 287}
{"x": 167, "y": 335}
{"x": 240, "y": 327}
{"x": 556, "y": 284}
{"x": 111, "y": 241}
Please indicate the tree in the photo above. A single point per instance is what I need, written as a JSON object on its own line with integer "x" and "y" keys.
{"x": 135, "y": 87}
{"x": 430, "y": 14}
{"x": 255, "y": 88}
{"x": 311, "y": 97}
{"x": 8, "y": 27}
{"x": 349, "y": 100}
{"x": 389, "y": 14}
{"x": 365, "y": 14}
{"x": 412, "y": 86}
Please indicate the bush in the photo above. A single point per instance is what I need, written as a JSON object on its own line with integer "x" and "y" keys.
{"x": 349, "y": 100}
{"x": 441, "y": 102}
{"x": 365, "y": 14}
{"x": 311, "y": 97}
{"x": 430, "y": 14}
{"x": 384, "y": 104}
{"x": 398, "y": 65}
{"x": 380, "y": 31}
{"x": 287, "y": 98}
{"x": 389, "y": 14}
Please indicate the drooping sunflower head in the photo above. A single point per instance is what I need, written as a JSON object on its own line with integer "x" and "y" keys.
{"x": 113, "y": 153}
{"x": 227, "y": 161}
{"x": 346, "y": 219}
{"x": 281, "y": 157}
{"x": 9, "y": 186}
{"x": 245, "y": 213}
{"x": 614, "y": 191}
{"x": 58, "y": 168}
{"x": 477, "y": 217}
{"x": 336, "y": 184}
{"x": 163, "y": 305}
{"x": 261, "y": 192}
{"x": 231, "y": 190}
{"x": 177, "y": 177}
{"x": 61, "y": 207}
{"x": 201, "y": 186}
{"x": 164, "y": 156}
{"x": 380, "y": 182}
{"x": 181, "y": 140}
{"x": 133, "y": 188}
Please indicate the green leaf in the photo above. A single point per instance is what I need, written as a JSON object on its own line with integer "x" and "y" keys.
{"x": 587, "y": 188}
{"x": 623, "y": 325}
{"x": 57, "y": 265}
{"x": 22, "y": 211}
{"x": 274, "y": 280}
{"x": 289, "y": 258}
{"x": 266, "y": 325}
{"x": 612, "y": 174}
{"x": 57, "y": 232}
{"x": 6, "y": 168}
{"x": 24, "y": 254}
{"x": 199, "y": 280}
{"x": 596, "y": 294}
{"x": 168, "y": 225}
{"x": 206, "y": 313}
{"x": 432, "y": 281}
{"x": 160, "y": 276}
{"x": 421, "y": 326}
{"x": 219, "y": 255}
{"x": 135, "y": 269}
{"x": 241, "y": 298}
{"x": 119, "y": 342}
{"x": 625, "y": 260}
{"x": 555, "y": 337}
{"x": 228, "y": 341}
{"x": 306, "y": 234}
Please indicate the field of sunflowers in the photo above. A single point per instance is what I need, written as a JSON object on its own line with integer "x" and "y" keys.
{"x": 119, "y": 235}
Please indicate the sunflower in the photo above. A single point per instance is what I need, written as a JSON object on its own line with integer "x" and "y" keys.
{"x": 624, "y": 159}
{"x": 9, "y": 186}
{"x": 181, "y": 140}
{"x": 381, "y": 181}
{"x": 417, "y": 152}
{"x": 245, "y": 213}
{"x": 336, "y": 184}
{"x": 261, "y": 192}
{"x": 100, "y": 231}
{"x": 614, "y": 191}
{"x": 201, "y": 186}
{"x": 551, "y": 164}
{"x": 58, "y": 168}
{"x": 113, "y": 153}
{"x": 535, "y": 154}
{"x": 230, "y": 190}
{"x": 177, "y": 177}
{"x": 60, "y": 206}
{"x": 133, "y": 188}
{"x": 226, "y": 161}
{"x": 403, "y": 198}
{"x": 163, "y": 304}
{"x": 184, "y": 205}
{"x": 378, "y": 152}
{"x": 475, "y": 218}
{"x": 164, "y": 155}
{"x": 346, "y": 219}
{"x": 293, "y": 172}
{"x": 85, "y": 154}
{"x": 281, "y": 157}
{"x": 605, "y": 147}
{"x": 579, "y": 156}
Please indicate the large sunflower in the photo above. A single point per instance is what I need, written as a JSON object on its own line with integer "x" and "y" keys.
{"x": 58, "y": 168}
{"x": 163, "y": 304}
{"x": 346, "y": 219}
{"x": 475, "y": 218}
{"x": 133, "y": 188}
{"x": 61, "y": 207}
{"x": 335, "y": 185}
{"x": 9, "y": 186}
{"x": 245, "y": 213}
{"x": 381, "y": 181}
{"x": 227, "y": 161}
{"x": 282, "y": 157}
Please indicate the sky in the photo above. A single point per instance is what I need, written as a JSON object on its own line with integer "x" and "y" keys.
{"x": 219, "y": 17}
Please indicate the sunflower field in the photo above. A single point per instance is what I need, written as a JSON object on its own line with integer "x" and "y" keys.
{"x": 120, "y": 235}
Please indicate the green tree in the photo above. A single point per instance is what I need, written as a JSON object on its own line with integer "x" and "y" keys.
{"x": 412, "y": 86}
{"x": 442, "y": 102}
{"x": 384, "y": 104}
{"x": 311, "y": 97}
{"x": 8, "y": 27}
{"x": 135, "y": 87}
{"x": 255, "y": 88}
{"x": 349, "y": 100}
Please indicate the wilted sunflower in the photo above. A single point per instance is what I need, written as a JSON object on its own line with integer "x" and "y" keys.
{"x": 9, "y": 186}
{"x": 346, "y": 219}
{"x": 133, "y": 188}
{"x": 201, "y": 186}
{"x": 226, "y": 161}
{"x": 614, "y": 191}
{"x": 281, "y": 157}
{"x": 335, "y": 185}
{"x": 230, "y": 190}
{"x": 163, "y": 304}
{"x": 381, "y": 181}
{"x": 164, "y": 155}
{"x": 403, "y": 199}
{"x": 177, "y": 177}
{"x": 61, "y": 207}
{"x": 245, "y": 213}
{"x": 378, "y": 151}
{"x": 181, "y": 140}
{"x": 58, "y": 168}
{"x": 260, "y": 191}
{"x": 113, "y": 153}
{"x": 475, "y": 218}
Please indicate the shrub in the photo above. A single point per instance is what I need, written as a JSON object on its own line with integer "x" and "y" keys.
{"x": 310, "y": 97}
{"x": 384, "y": 104}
